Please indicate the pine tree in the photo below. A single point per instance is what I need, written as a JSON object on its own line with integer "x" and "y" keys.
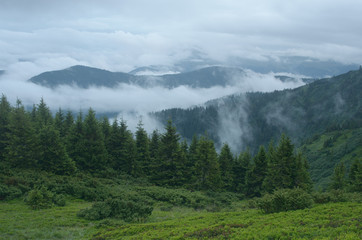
{"x": 339, "y": 177}
{"x": 52, "y": 154}
{"x": 76, "y": 143}
{"x": 96, "y": 153}
{"x": 168, "y": 166}
{"x": 207, "y": 167}
{"x": 355, "y": 175}
{"x": 302, "y": 178}
{"x": 240, "y": 168}
{"x": 59, "y": 122}
{"x": 155, "y": 143}
{"x": 21, "y": 148}
{"x": 5, "y": 111}
{"x": 255, "y": 177}
{"x": 43, "y": 116}
{"x": 226, "y": 160}
{"x": 286, "y": 162}
{"x": 143, "y": 153}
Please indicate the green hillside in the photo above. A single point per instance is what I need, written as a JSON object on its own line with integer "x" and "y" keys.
{"x": 326, "y": 150}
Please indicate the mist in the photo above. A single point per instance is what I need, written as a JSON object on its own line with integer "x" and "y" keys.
{"x": 132, "y": 102}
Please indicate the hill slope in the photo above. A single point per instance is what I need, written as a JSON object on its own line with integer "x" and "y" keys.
{"x": 255, "y": 118}
{"x": 85, "y": 77}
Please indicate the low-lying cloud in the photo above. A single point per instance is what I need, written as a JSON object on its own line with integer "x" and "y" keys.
{"x": 130, "y": 101}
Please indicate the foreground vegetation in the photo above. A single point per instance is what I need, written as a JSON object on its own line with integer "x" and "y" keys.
{"x": 323, "y": 221}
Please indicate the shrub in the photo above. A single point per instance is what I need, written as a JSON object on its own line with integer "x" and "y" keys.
{"x": 39, "y": 198}
{"x": 128, "y": 210}
{"x": 285, "y": 200}
{"x": 9, "y": 192}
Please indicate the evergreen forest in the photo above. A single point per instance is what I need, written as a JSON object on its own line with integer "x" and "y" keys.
{"x": 102, "y": 172}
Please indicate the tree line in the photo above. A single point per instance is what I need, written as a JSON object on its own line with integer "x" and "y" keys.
{"x": 64, "y": 145}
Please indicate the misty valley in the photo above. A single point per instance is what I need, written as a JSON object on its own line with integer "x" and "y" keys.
{"x": 258, "y": 161}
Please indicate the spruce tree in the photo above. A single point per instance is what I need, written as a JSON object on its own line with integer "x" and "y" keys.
{"x": 143, "y": 152}
{"x": 339, "y": 177}
{"x": 52, "y": 153}
{"x": 76, "y": 143}
{"x": 207, "y": 167}
{"x": 5, "y": 111}
{"x": 355, "y": 175}
{"x": 21, "y": 148}
{"x": 226, "y": 160}
{"x": 168, "y": 165}
{"x": 240, "y": 168}
{"x": 256, "y": 175}
{"x": 96, "y": 153}
{"x": 154, "y": 153}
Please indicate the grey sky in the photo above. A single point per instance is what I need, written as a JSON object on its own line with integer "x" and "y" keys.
{"x": 120, "y": 35}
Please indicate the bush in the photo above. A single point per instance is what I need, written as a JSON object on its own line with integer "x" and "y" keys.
{"x": 285, "y": 200}
{"x": 9, "y": 192}
{"x": 39, "y": 198}
{"x": 128, "y": 210}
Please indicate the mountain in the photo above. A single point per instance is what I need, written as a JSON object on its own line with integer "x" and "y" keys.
{"x": 306, "y": 66}
{"x": 85, "y": 77}
{"x": 252, "y": 119}
{"x": 326, "y": 109}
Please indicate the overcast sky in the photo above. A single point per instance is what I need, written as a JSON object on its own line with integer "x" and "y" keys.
{"x": 119, "y": 35}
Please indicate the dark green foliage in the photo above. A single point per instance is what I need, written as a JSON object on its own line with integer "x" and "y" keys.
{"x": 226, "y": 166}
{"x": 168, "y": 168}
{"x": 285, "y": 200}
{"x": 256, "y": 175}
{"x": 9, "y": 192}
{"x": 127, "y": 210}
{"x": 207, "y": 168}
{"x": 241, "y": 166}
{"x": 355, "y": 176}
{"x": 52, "y": 153}
{"x": 142, "y": 149}
{"x": 39, "y": 198}
{"x": 21, "y": 150}
{"x": 5, "y": 111}
{"x": 339, "y": 177}
{"x": 96, "y": 153}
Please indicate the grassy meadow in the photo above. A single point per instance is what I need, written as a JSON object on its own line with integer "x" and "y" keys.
{"x": 322, "y": 221}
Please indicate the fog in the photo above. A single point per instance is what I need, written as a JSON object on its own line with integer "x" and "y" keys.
{"x": 130, "y": 101}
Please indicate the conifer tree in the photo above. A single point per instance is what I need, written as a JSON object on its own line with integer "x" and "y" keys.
{"x": 68, "y": 123}
{"x": 43, "y": 116}
{"x": 59, "y": 123}
{"x": 96, "y": 153}
{"x": 143, "y": 153}
{"x": 154, "y": 153}
{"x": 355, "y": 175}
{"x": 52, "y": 154}
{"x": 168, "y": 166}
{"x": 339, "y": 177}
{"x": 302, "y": 178}
{"x": 5, "y": 111}
{"x": 76, "y": 143}
{"x": 21, "y": 147}
{"x": 207, "y": 167}
{"x": 226, "y": 161}
{"x": 240, "y": 168}
{"x": 256, "y": 175}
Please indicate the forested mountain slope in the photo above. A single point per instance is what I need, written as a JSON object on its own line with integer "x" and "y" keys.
{"x": 252, "y": 119}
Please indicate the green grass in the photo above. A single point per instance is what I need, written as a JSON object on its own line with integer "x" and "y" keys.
{"x": 329, "y": 221}
{"x": 18, "y": 221}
